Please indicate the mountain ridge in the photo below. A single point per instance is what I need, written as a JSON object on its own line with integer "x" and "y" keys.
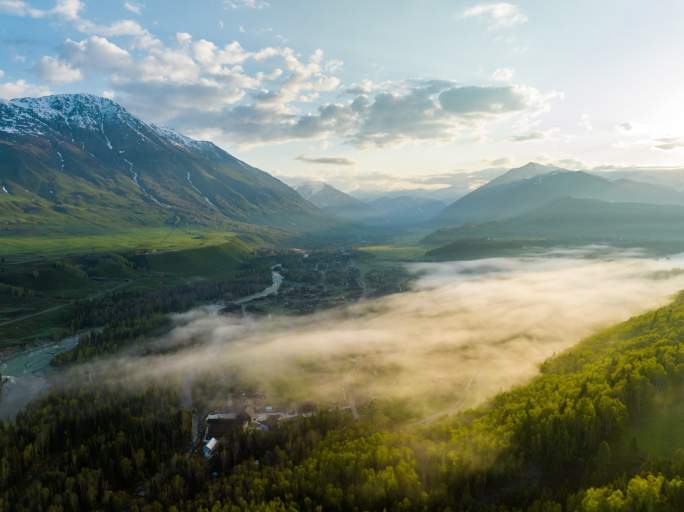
{"x": 86, "y": 158}
{"x": 505, "y": 197}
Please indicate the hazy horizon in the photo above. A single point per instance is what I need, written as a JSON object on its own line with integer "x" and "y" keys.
{"x": 388, "y": 93}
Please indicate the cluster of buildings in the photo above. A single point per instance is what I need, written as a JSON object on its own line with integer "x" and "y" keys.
{"x": 221, "y": 424}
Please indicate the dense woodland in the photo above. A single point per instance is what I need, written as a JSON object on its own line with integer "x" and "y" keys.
{"x": 578, "y": 437}
{"x": 119, "y": 319}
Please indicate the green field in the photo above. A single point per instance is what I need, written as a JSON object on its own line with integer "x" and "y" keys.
{"x": 394, "y": 252}
{"x": 42, "y": 277}
{"x": 22, "y": 248}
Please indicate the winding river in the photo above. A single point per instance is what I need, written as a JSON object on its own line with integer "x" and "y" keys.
{"x": 28, "y": 370}
{"x": 27, "y": 373}
{"x": 277, "y": 279}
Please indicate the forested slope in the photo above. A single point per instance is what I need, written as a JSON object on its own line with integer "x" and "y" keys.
{"x": 577, "y": 437}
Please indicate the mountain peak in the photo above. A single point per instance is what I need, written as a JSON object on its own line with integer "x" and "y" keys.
{"x": 61, "y": 113}
{"x": 57, "y": 149}
{"x": 536, "y": 165}
{"x": 65, "y": 112}
{"x": 529, "y": 170}
{"x": 69, "y": 105}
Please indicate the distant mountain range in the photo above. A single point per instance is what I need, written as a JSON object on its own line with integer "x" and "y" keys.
{"x": 329, "y": 199}
{"x": 541, "y": 206}
{"x": 82, "y": 163}
{"x": 529, "y": 170}
{"x": 445, "y": 187}
{"x": 523, "y": 189}
{"x": 589, "y": 219}
{"x": 663, "y": 176}
{"x": 390, "y": 210}
{"x": 82, "y": 160}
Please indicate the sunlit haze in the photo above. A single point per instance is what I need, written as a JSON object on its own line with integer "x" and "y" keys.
{"x": 381, "y": 94}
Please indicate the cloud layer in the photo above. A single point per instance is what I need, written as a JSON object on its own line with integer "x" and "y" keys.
{"x": 498, "y": 15}
{"x": 324, "y": 160}
{"x": 271, "y": 94}
{"x": 464, "y": 332}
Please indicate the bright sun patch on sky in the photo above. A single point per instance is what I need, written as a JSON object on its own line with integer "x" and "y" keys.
{"x": 380, "y": 92}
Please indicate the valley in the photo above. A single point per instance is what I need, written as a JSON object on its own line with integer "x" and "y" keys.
{"x": 180, "y": 330}
{"x": 276, "y": 256}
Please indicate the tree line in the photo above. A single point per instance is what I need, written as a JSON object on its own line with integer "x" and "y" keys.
{"x": 570, "y": 440}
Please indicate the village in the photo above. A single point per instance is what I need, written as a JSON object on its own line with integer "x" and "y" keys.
{"x": 249, "y": 411}
{"x": 310, "y": 282}
{"x": 303, "y": 283}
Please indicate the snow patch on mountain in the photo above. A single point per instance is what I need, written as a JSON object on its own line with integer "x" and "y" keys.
{"x": 178, "y": 139}
{"x": 199, "y": 191}
{"x": 66, "y": 112}
{"x": 146, "y": 193}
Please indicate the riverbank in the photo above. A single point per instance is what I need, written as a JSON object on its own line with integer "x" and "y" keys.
{"x": 28, "y": 370}
{"x": 28, "y": 373}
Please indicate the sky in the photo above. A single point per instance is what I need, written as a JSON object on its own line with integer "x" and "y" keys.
{"x": 382, "y": 93}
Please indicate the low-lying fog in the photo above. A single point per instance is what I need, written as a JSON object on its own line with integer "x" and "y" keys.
{"x": 465, "y": 331}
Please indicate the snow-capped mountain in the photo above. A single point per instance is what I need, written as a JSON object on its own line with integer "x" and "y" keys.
{"x": 85, "y": 157}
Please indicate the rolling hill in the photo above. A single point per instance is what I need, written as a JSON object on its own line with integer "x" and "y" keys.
{"x": 83, "y": 162}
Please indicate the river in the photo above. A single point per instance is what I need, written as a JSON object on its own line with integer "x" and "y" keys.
{"x": 29, "y": 369}
{"x": 269, "y": 290}
{"x": 28, "y": 372}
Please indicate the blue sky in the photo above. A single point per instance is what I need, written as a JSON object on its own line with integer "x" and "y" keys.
{"x": 375, "y": 93}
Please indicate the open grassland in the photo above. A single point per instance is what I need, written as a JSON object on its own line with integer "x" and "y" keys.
{"x": 394, "y": 252}
{"x": 23, "y": 248}
{"x": 42, "y": 279}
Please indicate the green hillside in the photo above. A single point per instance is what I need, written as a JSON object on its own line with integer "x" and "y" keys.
{"x": 80, "y": 162}
{"x": 578, "y": 437}
{"x": 567, "y": 222}
{"x": 41, "y": 290}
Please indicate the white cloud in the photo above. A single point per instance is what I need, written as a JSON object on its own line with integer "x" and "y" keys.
{"x": 498, "y": 15}
{"x": 527, "y": 137}
{"x": 68, "y": 9}
{"x": 133, "y": 7}
{"x": 56, "y": 71}
{"x": 585, "y": 122}
{"x": 194, "y": 77}
{"x": 20, "y": 8}
{"x": 21, "y": 88}
{"x": 274, "y": 94}
{"x": 2, "y": 73}
{"x": 248, "y": 4}
{"x": 503, "y": 75}
{"x": 668, "y": 143}
{"x": 534, "y": 135}
{"x": 401, "y": 112}
{"x": 325, "y": 160}
{"x": 98, "y": 53}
